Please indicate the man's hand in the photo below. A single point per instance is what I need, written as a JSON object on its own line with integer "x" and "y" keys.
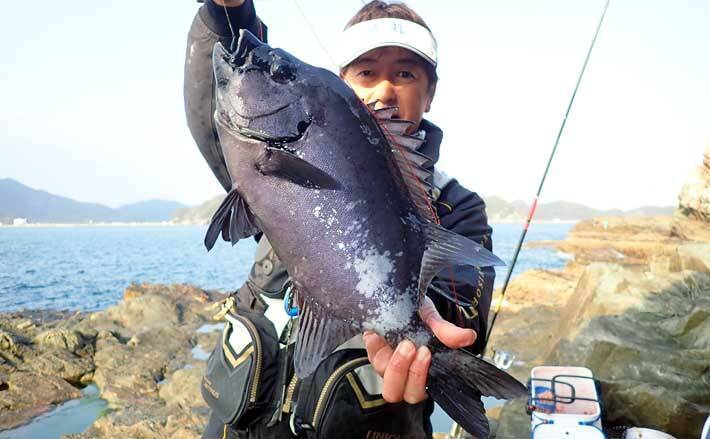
{"x": 405, "y": 369}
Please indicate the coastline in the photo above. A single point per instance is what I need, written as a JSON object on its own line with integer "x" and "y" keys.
{"x": 100, "y": 224}
{"x": 493, "y": 222}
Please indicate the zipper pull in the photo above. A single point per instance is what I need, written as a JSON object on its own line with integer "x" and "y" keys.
{"x": 224, "y": 306}
{"x": 285, "y": 369}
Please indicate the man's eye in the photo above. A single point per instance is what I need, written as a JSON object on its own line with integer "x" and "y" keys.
{"x": 366, "y": 73}
{"x": 405, "y": 74}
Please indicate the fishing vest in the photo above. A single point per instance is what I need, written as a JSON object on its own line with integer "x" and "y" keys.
{"x": 253, "y": 391}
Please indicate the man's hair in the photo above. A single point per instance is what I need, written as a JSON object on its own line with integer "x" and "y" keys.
{"x": 380, "y": 9}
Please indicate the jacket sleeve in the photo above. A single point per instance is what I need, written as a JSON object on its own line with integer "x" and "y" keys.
{"x": 464, "y": 212}
{"x": 210, "y": 26}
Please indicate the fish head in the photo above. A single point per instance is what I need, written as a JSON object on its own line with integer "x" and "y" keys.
{"x": 267, "y": 94}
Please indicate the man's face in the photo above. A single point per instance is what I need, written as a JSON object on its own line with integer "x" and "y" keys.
{"x": 394, "y": 77}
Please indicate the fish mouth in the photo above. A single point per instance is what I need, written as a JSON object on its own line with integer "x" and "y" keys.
{"x": 266, "y": 113}
{"x": 276, "y": 141}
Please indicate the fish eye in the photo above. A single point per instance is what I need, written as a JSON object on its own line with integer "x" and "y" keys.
{"x": 282, "y": 71}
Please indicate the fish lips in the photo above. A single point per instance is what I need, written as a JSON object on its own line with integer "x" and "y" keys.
{"x": 285, "y": 124}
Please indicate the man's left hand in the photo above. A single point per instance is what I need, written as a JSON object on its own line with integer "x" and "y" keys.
{"x": 405, "y": 369}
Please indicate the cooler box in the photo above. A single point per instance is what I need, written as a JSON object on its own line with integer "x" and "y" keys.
{"x": 564, "y": 403}
{"x": 554, "y": 431}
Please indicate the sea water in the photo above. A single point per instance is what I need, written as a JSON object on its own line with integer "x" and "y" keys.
{"x": 88, "y": 268}
{"x": 70, "y": 417}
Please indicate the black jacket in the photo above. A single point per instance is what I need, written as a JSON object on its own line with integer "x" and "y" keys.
{"x": 459, "y": 209}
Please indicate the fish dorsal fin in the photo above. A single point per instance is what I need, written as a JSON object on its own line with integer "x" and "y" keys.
{"x": 318, "y": 336}
{"x": 233, "y": 219}
{"x": 410, "y": 162}
{"x": 395, "y": 127}
{"x": 416, "y": 177}
{"x": 447, "y": 249}
{"x": 385, "y": 113}
{"x": 412, "y": 143}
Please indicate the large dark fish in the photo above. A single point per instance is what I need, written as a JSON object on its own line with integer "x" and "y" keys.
{"x": 341, "y": 193}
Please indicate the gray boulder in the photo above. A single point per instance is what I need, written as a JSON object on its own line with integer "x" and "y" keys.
{"x": 647, "y": 339}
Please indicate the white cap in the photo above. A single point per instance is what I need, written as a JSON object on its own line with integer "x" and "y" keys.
{"x": 380, "y": 32}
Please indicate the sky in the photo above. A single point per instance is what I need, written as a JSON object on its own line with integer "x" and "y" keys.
{"x": 91, "y": 103}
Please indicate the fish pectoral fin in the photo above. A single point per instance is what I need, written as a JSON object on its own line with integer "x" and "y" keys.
{"x": 318, "y": 336}
{"x": 242, "y": 224}
{"x": 217, "y": 224}
{"x": 448, "y": 249}
{"x": 284, "y": 164}
{"x": 233, "y": 219}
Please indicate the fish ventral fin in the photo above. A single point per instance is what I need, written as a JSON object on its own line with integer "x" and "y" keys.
{"x": 284, "y": 164}
{"x": 233, "y": 219}
{"x": 318, "y": 336}
{"x": 447, "y": 249}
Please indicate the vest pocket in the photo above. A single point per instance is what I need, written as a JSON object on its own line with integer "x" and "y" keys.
{"x": 240, "y": 375}
{"x": 338, "y": 401}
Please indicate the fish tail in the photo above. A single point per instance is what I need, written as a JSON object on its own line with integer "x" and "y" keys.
{"x": 458, "y": 379}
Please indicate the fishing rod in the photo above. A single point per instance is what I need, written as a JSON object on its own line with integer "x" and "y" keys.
{"x": 533, "y": 206}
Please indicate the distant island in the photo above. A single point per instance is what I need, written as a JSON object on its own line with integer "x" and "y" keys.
{"x": 498, "y": 209}
{"x": 21, "y": 204}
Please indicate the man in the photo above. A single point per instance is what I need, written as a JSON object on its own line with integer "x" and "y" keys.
{"x": 389, "y": 59}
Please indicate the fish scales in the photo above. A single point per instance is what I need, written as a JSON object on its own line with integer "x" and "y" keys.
{"x": 312, "y": 168}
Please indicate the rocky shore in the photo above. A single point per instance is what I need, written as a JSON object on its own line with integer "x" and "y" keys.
{"x": 139, "y": 352}
{"x": 633, "y": 305}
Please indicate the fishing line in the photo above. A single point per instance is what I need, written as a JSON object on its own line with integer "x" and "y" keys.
{"x": 308, "y": 23}
{"x": 533, "y": 206}
{"x": 231, "y": 29}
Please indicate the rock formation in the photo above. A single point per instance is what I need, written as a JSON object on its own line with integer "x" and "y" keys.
{"x": 138, "y": 352}
{"x": 633, "y": 306}
{"x": 694, "y": 198}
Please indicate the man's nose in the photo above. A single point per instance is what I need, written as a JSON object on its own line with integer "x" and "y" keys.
{"x": 385, "y": 95}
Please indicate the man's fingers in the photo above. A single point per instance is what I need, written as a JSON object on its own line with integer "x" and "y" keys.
{"x": 448, "y": 333}
{"x": 378, "y": 351}
{"x": 397, "y": 371}
{"x": 415, "y": 390}
{"x": 373, "y": 344}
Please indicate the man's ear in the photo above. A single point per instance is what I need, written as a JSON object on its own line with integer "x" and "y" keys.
{"x": 430, "y": 97}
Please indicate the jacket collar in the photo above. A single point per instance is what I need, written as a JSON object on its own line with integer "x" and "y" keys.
{"x": 432, "y": 141}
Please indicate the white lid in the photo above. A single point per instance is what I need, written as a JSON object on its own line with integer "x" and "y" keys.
{"x": 380, "y": 32}
{"x": 645, "y": 433}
